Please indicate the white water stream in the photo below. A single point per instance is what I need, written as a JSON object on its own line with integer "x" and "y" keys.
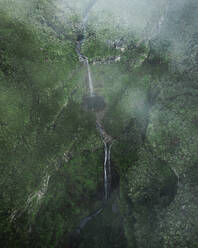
{"x": 91, "y": 89}
{"x": 107, "y": 146}
{"x": 82, "y": 58}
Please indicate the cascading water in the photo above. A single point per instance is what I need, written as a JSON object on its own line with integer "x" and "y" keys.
{"x": 107, "y": 171}
{"x": 83, "y": 58}
{"x": 109, "y": 168}
{"x": 107, "y": 161}
{"x": 107, "y": 144}
{"x": 90, "y": 79}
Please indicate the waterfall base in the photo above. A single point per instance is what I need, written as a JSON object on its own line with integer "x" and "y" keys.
{"x": 93, "y": 103}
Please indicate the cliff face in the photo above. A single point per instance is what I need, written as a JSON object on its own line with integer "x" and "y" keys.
{"x": 145, "y": 79}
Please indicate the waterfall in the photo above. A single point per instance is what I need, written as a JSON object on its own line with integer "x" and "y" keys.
{"x": 107, "y": 161}
{"x": 107, "y": 178}
{"x": 107, "y": 144}
{"x": 105, "y": 173}
{"x": 107, "y": 170}
{"x": 90, "y": 79}
{"x": 83, "y": 58}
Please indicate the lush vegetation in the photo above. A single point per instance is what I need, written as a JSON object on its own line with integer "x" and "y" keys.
{"x": 51, "y": 156}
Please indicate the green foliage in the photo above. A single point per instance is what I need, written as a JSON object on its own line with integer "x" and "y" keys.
{"x": 34, "y": 87}
{"x": 148, "y": 179}
{"x": 150, "y": 113}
